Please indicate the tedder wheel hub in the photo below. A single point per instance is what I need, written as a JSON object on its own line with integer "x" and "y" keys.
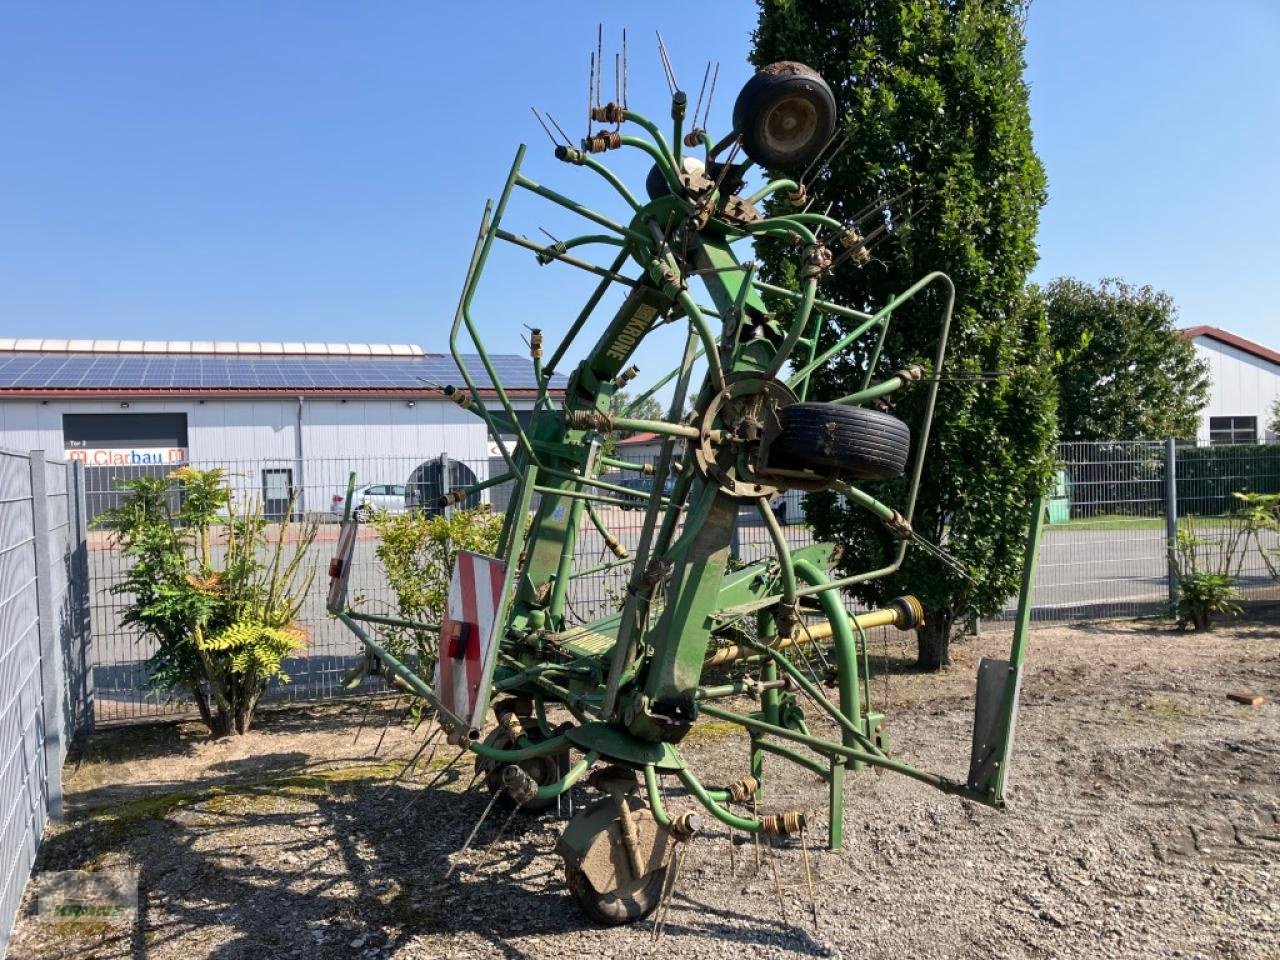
{"x": 616, "y": 873}
{"x": 543, "y": 770}
{"x": 785, "y": 115}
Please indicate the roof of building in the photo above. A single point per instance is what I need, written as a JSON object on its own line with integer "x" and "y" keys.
{"x": 115, "y": 367}
{"x": 644, "y": 437}
{"x": 239, "y": 347}
{"x": 1233, "y": 340}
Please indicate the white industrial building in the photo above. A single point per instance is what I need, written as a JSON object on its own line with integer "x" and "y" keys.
{"x": 1244, "y": 387}
{"x": 283, "y": 418}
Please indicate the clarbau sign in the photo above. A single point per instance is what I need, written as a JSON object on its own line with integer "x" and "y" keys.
{"x": 128, "y": 456}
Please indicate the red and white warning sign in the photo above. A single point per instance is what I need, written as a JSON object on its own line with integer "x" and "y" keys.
{"x": 468, "y": 637}
{"x": 340, "y": 565}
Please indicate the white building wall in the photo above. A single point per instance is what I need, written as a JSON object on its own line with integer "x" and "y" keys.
{"x": 1242, "y": 385}
{"x": 381, "y": 439}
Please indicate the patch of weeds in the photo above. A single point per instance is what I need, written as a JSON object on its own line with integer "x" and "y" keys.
{"x": 714, "y": 730}
{"x": 116, "y": 821}
{"x": 1168, "y": 711}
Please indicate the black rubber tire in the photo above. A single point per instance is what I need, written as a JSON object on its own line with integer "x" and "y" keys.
{"x": 544, "y": 770}
{"x": 785, "y": 115}
{"x": 828, "y": 438}
{"x": 610, "y": 910}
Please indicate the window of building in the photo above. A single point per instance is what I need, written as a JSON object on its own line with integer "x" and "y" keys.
{"x": 1228, "y": 430}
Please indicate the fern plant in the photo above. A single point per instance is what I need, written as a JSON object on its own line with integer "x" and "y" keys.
{"x": 222, "y": 630}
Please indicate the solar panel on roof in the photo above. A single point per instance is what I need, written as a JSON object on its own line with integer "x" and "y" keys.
{"x": 172, "y": 371}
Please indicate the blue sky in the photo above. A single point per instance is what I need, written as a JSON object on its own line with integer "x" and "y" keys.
{"x": 316, "y": 171}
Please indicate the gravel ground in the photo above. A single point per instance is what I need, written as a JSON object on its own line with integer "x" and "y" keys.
{"x": 1145, "y": 822}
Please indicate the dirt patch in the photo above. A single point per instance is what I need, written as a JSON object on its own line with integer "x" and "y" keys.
{"x": 1145, "y": 822}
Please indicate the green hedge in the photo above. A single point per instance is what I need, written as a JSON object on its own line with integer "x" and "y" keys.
{"x": 1208, "y": 476}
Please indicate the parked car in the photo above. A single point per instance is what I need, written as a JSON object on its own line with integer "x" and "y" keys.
{"x": 643, "y": 486}
{"x": 371, "y": 497}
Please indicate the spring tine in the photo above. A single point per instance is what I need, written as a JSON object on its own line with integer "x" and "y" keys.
{"x": 755, "y": 812}
{"x": 624, "y": 68}
{"x": 942, "y": 555}
{"x": 423, "y": 792}
{"x": 421, "y": 717}
{"x": 412, "y": 760}
{"x": 715, "y": 75}
{"x": 368, "y": 704}
{"x": 808, "y": 877}
{"x": 599, "y": 59}
{"x": 559, "y": 128}
{"x": 671, "y": 890}
{"x": 386, "y": 726}
{"x": 772, "y": 856}
{"x": 667, "y": 882}
{"x": 591, "y": 89}
{"x": 701, "y": 90}
{"x": 545, "y": 128}
{"x": 474, "y": 830}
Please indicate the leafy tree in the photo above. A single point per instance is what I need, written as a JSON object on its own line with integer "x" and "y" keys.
{"x": 1273, "y": 419}
{"x": 935, "y": 104}
{"x": 1123, "y": 372}
{"x": 221, "y": 631}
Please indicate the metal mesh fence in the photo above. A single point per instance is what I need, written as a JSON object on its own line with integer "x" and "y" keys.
{"x": 44, "y": 676}
{"x": 1104, "y": 553}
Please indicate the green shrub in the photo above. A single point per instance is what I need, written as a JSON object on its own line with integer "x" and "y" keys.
{"x": 417, "y": 552}
{"x": 1261, "y": 511}
{"x": 1207, "y": 569}
{"x": 223, "y": 629}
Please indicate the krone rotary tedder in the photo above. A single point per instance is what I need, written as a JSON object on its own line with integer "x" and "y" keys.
{"x": 632, "y": 682}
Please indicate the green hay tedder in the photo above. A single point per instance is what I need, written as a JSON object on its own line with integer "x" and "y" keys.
{"x": 607, "y": 703}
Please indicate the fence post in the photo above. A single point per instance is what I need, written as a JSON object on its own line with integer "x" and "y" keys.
{"x": 80, "y": 597}
{"x": 1171, "y": 516}
{"x": 47, "y": 632}
{"x": 444, "y": 483}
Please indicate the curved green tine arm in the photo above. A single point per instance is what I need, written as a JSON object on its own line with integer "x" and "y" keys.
{"x": 558, "y": 198}
{"x": 792, "y": 756}
{"x": 747, "y": 824}
{"x": 819, "y": 218}
{"x": 658, "y": 139}
{"x": 785, "y": 566}
{"x": 655, "y": 797}
{"x": 576, "y": 772}
{"x": 773, "y": 186}
{"x": 799, "y": 324}
{"x": 882, "y": 389}
{"x": 823, "y": 306}
{"x": 782, "y": 226}
{"x": 895, "y": 302}
{"x": 544, "y": 749}
{"x": 580, "y": 158}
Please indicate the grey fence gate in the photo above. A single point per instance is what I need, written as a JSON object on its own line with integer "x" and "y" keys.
{"x": 45, "y": 672}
